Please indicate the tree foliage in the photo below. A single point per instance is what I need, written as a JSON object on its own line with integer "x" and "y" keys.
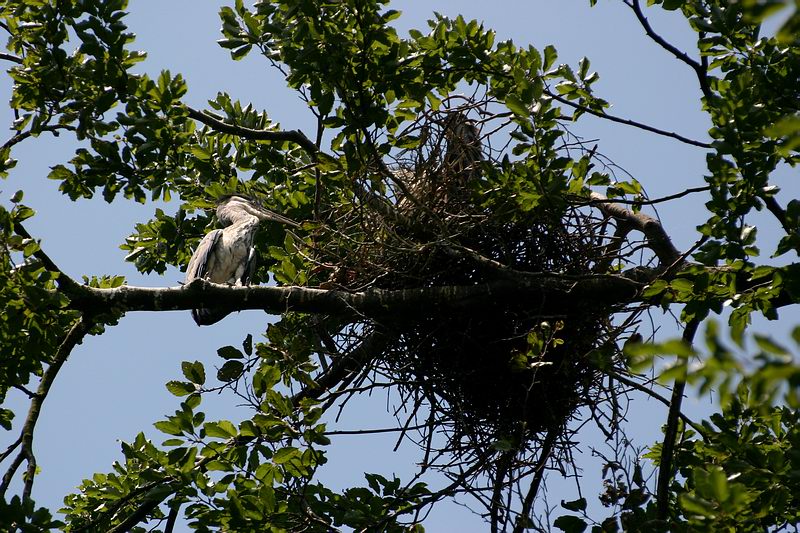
{"x": 382, "y": 239}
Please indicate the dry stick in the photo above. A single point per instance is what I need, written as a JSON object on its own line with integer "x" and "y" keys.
{"x": 698, "y": 68}
{"x": 344, "y": 365}
{"x": 527, "y": 504}
{"x": 503, "y": 464}
{"x": 671, "y": 434}
{"x": 612, "y": 249}
{"x": 653, "y": 394}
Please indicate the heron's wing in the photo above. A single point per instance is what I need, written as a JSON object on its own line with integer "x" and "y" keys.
{"x": 250, "y": 267}
{"x": 206, "y": 317}
{"x": 198, "y": 264}
{"x": 198, "y": 268}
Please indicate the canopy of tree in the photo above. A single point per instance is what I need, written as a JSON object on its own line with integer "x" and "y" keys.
{"x": 457, "y": 244}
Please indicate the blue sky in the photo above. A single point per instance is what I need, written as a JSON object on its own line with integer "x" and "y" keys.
{"x": 113, "y": 385}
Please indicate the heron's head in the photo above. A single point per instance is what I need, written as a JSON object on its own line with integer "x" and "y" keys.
{"x": 461, "y": 129}
{"x": 237, "y": 205}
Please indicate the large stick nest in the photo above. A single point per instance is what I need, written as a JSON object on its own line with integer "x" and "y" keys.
{"x": 492, "y": 372}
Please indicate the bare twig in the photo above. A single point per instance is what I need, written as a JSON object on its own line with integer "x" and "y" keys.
{"x": 653, "y": 394}
{"x": 654, "y": 201}
{"x": 533, "y": 490}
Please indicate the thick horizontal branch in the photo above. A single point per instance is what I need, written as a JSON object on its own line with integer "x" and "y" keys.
{"x": 295, "y": 136}
{"x": 558, "y": 290}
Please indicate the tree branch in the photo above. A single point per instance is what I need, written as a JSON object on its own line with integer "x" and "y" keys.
{"x": 295, "y": 136}
{"x": 372, "y": 303}
{"x": 626, "y": 121}
{"x": 657, "y": 238}
{"x": 654, "y": 201}
{"x": 11, "y": 57}
{"x": 779, "y": 212}
{"x": 65, "y": 282}
{"x": 700, "y": 71}
{"x": 21, "y": 136}
{"x": 671, "y": 434}
{"x": 73, "y": 337}
{"x": 544, "y": 455}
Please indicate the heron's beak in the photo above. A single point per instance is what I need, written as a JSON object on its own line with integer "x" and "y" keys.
{"x": 266, "y": 214}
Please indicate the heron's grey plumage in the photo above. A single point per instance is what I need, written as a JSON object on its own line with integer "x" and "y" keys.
{"x": 227, "y": 255}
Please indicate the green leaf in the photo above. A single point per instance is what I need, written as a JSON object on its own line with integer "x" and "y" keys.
{"x": 575, "y": 505}
{"x": 240, "y": 52}
{"x": 570, "y": 524}
{"x": 230, "y": 371}
{"x": 550, "y": 56}
{"x": 285, "y": 454}
{"x": 696, "y": 505}
{"x": 180, "y": 388}
{"x": 517, "y": 106}
{"x": 769, "y": 346}
{"x": 194, "y": 372}
{"x": 168, "y": 427}
{"x": 221, "y": 429}
{"x": 672, "y": 5}
{"x": 230, "y": 352}
{"x": 247, "y": 344}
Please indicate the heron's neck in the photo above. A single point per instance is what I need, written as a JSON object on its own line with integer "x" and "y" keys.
{"x": 240, "y": 218}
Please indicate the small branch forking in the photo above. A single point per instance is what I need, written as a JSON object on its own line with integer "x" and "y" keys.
{"x": 658, "y": 239}
{"x": 698, "y": 67}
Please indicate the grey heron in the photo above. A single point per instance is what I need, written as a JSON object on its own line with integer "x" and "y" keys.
{"x": 228, "y": 255}
{"x": 446, "y": 188}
